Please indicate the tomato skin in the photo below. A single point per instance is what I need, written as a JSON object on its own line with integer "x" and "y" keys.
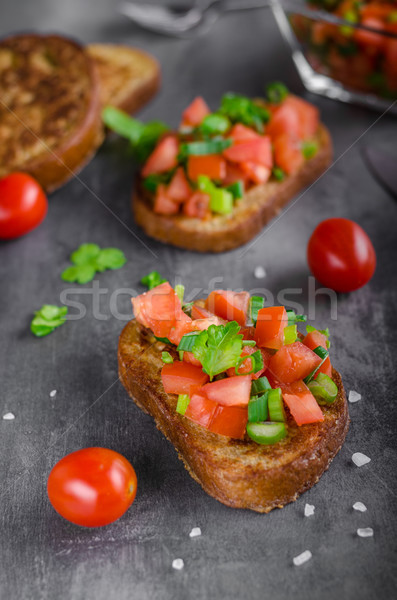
{"x": 23, "y": 205}
{"x": 288, "y": 153}
{"x": 182, "y": 378}
{"x": 269, "y": 331}
{"x": 230, "y": 421}
{"x": 92, "y": 487}
{"x": 301, "y": 403}
{"x": 231, "y": 391}
{"x": 258, "y": 151}
{"x": 163, "y": 158}
{"x": 159, "y": 310}
{"x": 194, "y": 114}
{"x": 179, "y": 188}
{"x": 341, "y": 255}
{"x": 293, "y": 362}
{"x": 228, "y": 305}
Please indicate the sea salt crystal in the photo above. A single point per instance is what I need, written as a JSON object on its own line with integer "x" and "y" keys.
{"x": 195, "y": 532}
{"x": 365, "y": 532}
{"x": 359, "y": 506}
{"x": 302, "y": 558}
{"x": 259, "y": 272}
{"x": 309, "y": 510}
{"x": 360, "y": 459}
{"x": 53, "y": 394}
{"x": 9, "y": 416}
{"x": 354, "y": 396}
{"x": 178, "y": 564}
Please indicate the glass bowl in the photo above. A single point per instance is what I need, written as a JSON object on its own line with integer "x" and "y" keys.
{"x": 349, "y": 56}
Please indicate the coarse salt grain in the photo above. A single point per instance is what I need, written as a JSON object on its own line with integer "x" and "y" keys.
{"x": 354, "y": 396}
{"x": 9, "y": 416}
{"x": 195, "y": 532}
{"x": 53, "y": 393}
{"x": 359, "y": 506}
{"x": 360, "y": 459}
{"x": 309, "y": 510}
{"x": 365, "y": 532}
{"x": 302, "y": 558}
{"x": 259, "y": 272}
{"x": 178, "y": 564}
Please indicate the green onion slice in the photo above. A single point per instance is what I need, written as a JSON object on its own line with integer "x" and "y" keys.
{"x": 293, "y": 318}
{"x": 323, "y": 389}
{"x": 290, "y": 334}
{"x": 215, "y": 146}
{"x": 309, "y": 149}
{"x": 323, "y": 354}
{"x": 236, "y": 189}
{"x": 164, "y": 340}
{"x": 276, "y": 406}
{"x": 256, "y": 361}
{"x": 182, "y": 404}
{"x": 256, "y": 303}
{"x": 276, "y": 92}
{"x": 180, "y": 291}
{"x": 278, "y": 173}
{"x": 258, "y": 408}
{"x": 260, "y": 385}
{"x": 215, "y": 124}
{"x": 267, "y": 433}
{"x": 187, "y": 342}
{"x": 167, "y": 358}
{"x": 249, "y": 343}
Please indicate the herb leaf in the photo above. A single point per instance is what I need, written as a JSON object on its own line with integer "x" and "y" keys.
{"x": 152, "y": 280}
{"x": 218, "y": 348}
{"x": 88, "y": 259}
{"x": 84, "y": 253}
{"x": 48, "y": 318}
{"x": 110, "y": 258}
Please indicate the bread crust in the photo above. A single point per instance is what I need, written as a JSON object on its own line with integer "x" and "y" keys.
{"x": 250, "y": 214}
{"x": 240, "y": 474}
{"x": 60, "y": 84}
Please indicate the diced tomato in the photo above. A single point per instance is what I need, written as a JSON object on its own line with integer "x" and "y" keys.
{"x": 230, "y": 421}
{"x": 234, "y": 173}
{"x": 285, "y": 120}
{"x": 375, "y": 9}
{"x": 292, "y": 362}
{"x": 301, "y": 403}
{"x": 204, "y": 323}
{"x": 371, "y": 40}
{"x": 269, "y": 331}
{"x": 200, "y": 410}
{"x": 183, "y": 324}
{"x": 163, "y": 158}
{"x": 248, "y": 333}
{"x": 199, "y": 312}
{"x": 257, "y": 150}
{"x": 242, "y": 133}
{"x": 231, "y": 391}
{"x": 163, "y": 204}
{"x": 211, "y": 165}
{"x": 313, "y": 340}
{"x": 288, "y": 153}
{"x": 195, "y": 112}
{"x": 179, "y": 188}
{"x": 308, "y": 116}
{"x": 197, "y": 206}
{"x": 246, "y": 365}
{"x": 159, "y": 309}
{"x": 182, "y": 378}
{"x": 256, "y": 173}
{"x": 231, "y": 306}
{"x": 191, "y": 359}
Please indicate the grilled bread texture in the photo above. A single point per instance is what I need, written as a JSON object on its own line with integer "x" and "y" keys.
{"x": 238, "y": 473}
{"x": 250, "y": 214}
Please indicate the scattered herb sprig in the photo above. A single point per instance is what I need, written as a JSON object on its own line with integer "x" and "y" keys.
{"x": 48, "y": 318}
{"x": 89, "y": 259}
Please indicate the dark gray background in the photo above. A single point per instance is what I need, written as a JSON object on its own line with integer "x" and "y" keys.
{"x": 240, "y": 554}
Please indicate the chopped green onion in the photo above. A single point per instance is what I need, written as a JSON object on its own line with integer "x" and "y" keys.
{"x": 278, "y": 173}
{"x": 276, "y": 406}
{"x": 310, "y": 329}
{"x": 249, "y": 343}
{"x": 352, "y": 17}
{"x": 259, "y": 386}
{"x": 181, "y": 355}
{"x": 276, "y": 92}
{"x": 180, "y": 291}
{"x": 215, "y": 124}
{"x": 290, "y": 334}
{"x": 241, "y": 109}
{"x": 188, "y": 340}
{"x": 221, "y": 201}
{"x": 323, "y": 354}
{"x": 215, "y": 146}
{"x": 293, "y": 318}
{"x": 152, "y": 280}
{"x": 256, "y": 303}
{"x": 151, "y": 182}
{"x": 164, "y": 340}
{"x": 309, "y": 149}
{"x": 236, "y": 189}
{"x": 166, "y": 358}
{"x": 182, "y": 404}
{"x": 258, "y": 409}
{"x": 266, "y": 433}
{"x": 323, "y": 389}
{"x": 256, "y": 361}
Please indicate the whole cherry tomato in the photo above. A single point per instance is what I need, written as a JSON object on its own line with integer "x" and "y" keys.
{"x": 341, "y": 255}
{"x": 23, "y": 205}
{"x": 92, "y": 487}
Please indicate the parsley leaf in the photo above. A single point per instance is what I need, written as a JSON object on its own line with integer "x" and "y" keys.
{"x": 48, "y": 318}
{"x": 88, "y": 259}
{"x": 152, "y": 280}
{"x": 218, "y": 348}
{"x": 240, "y": 109}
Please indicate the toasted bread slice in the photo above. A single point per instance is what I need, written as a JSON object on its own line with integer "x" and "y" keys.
{"x": 240, "y": 474}
{"x": 50, "y": 121}
{"x": 250, "y": 214}
{"x": 128, "y": 77}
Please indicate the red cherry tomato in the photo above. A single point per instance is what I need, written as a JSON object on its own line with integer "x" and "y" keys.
{"x": 23, "y": 205}
{"x": 92, "y": 487}
{"x": 341, "y": 255}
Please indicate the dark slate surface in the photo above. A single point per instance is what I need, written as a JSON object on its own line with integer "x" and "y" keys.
{"x": 240, "y": 554}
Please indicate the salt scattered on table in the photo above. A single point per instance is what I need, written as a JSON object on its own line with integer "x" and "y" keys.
{"x": 365, "y": 532}
{"x": 354, "y": 396}
{"x": 259, "y": 272}
{"x": 360, "y": 459}
{"x": 359, "y": 506}
{"x": 53, "y": 394}
{"x": 309, "y": 510}
{"x": 178, "y": 564}
{"x": 302, "y": 558}
{"x": 9, "y": 416}
{"x": 195, "y": 532}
